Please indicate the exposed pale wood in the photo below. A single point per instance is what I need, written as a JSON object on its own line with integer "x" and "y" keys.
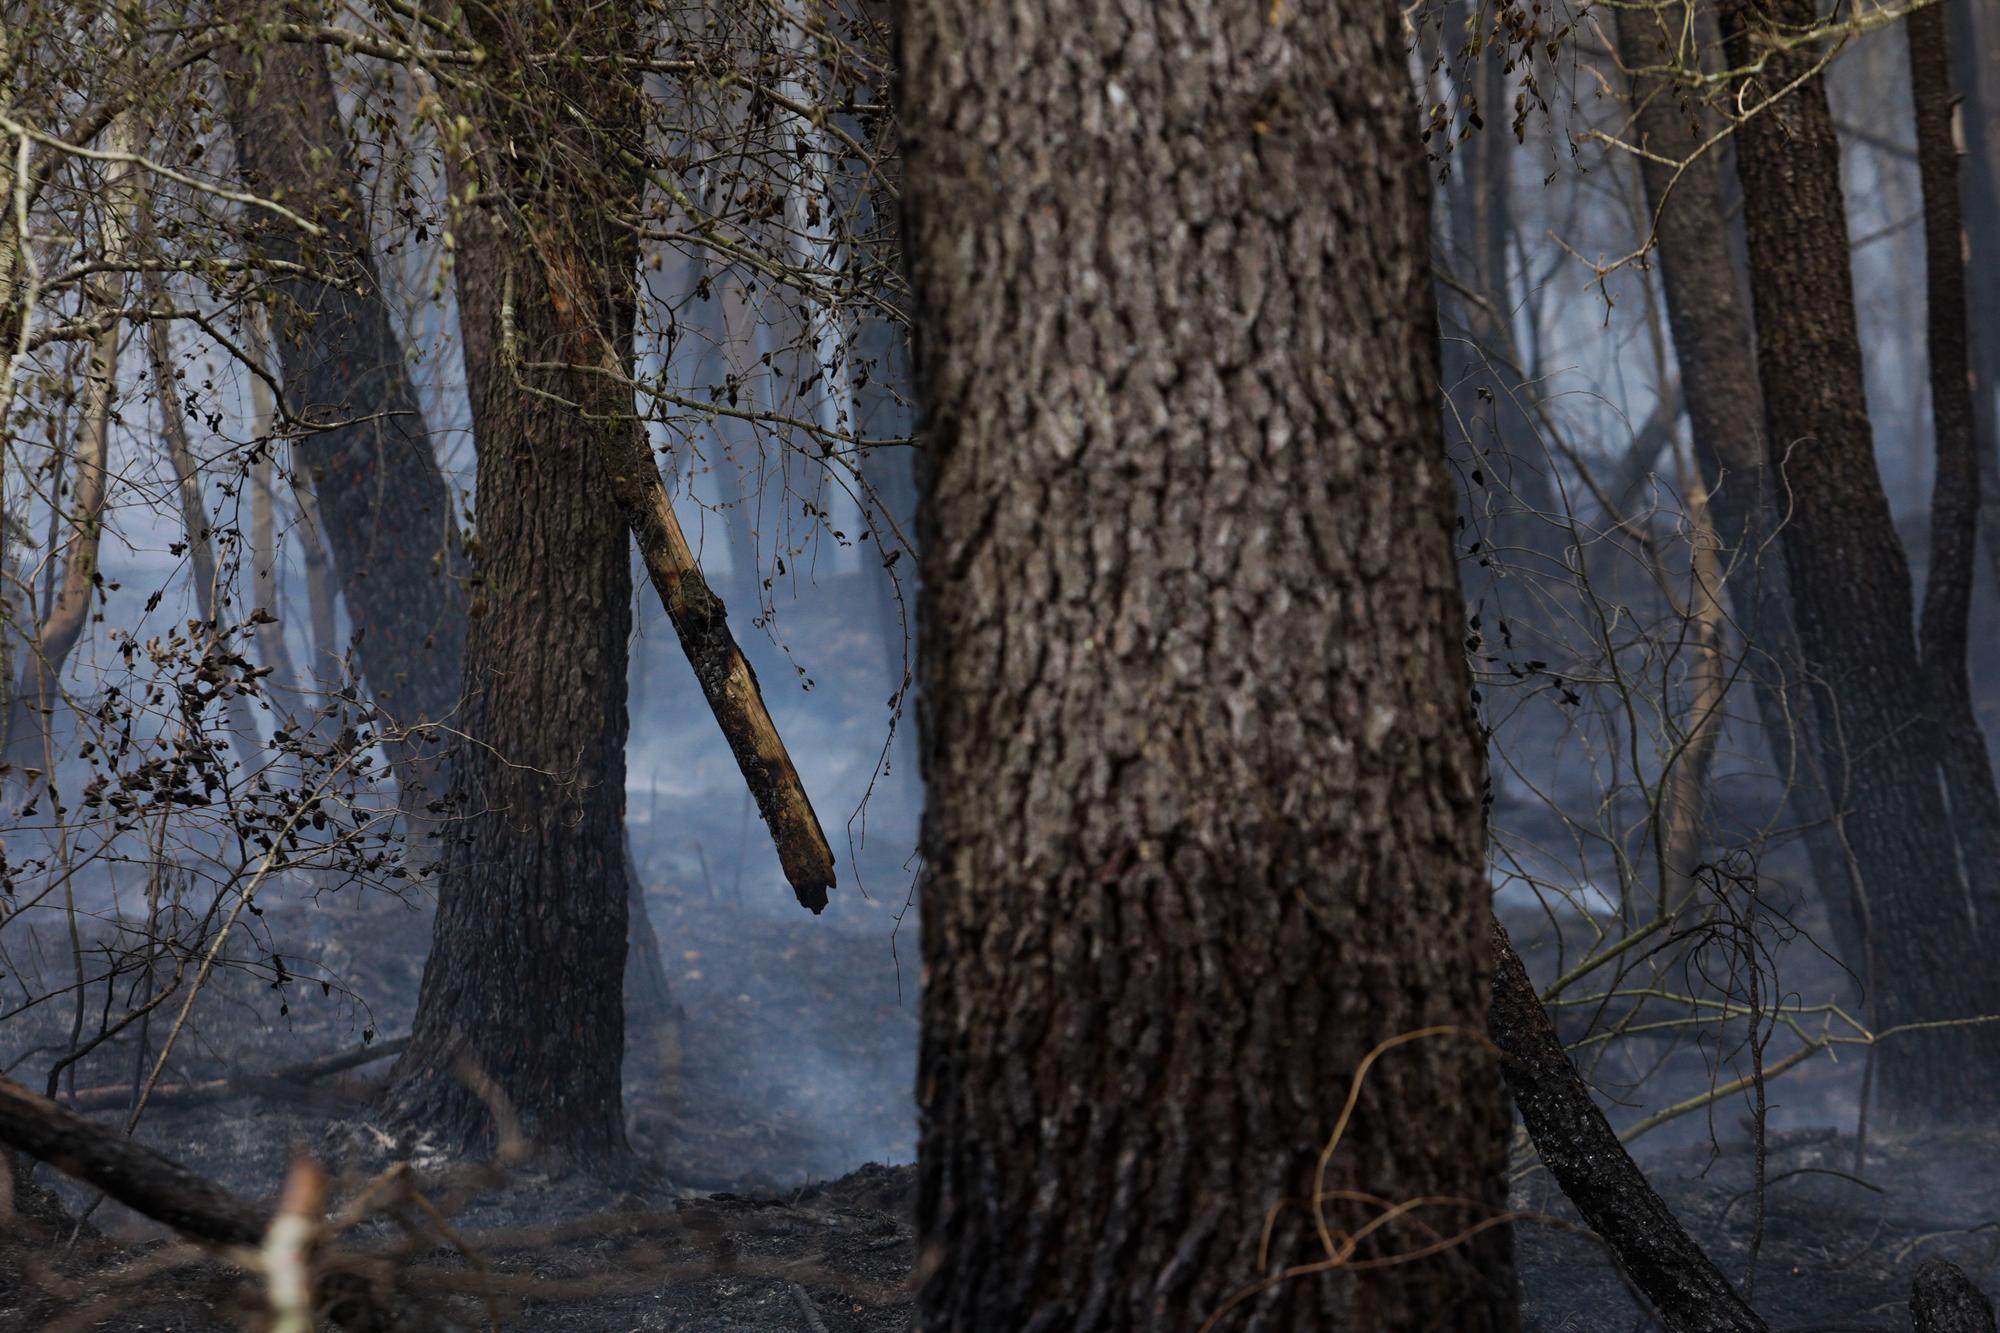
{"x": 699, "y": 616}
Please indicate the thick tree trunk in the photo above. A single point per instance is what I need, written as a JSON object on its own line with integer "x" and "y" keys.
{"x": 1851, "y": 587}
{"x": 1716, "y": 353}
{"x": 529, "y": 944}
{"x": 384, "y": 508}
{"x": 1203, "y": 823}
{"x": 531, "y": 919}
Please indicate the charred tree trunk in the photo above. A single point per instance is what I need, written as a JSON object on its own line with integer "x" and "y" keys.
{"x": 523, "y": 981}
{"x": 1581, "y": 1150}
{"x": 1203, "y": 824}
{"x": 1851, "y": 585}
{"x": 384, "y": 508}
{"x": 1943, "y": 1300}
{"x": 1708, "y": 316}
{"x": 1975, "y": 55}
{"x": 1947, "y": 610}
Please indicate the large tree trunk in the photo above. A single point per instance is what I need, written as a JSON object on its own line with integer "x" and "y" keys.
{"x": 393, "y": 519}
{"x": 529, "y": 945}
{"x": 1715, "y": 350}
{"x": 1851, "y": 587}
{"x": 1203, "y": 823}
{"x": 384, "y": 508}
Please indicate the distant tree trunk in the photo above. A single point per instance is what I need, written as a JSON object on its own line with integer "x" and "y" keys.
{"x": 64, "y": 620}
{"x": 384, "y": 508}
{"x": 265, "y": 580}
{"x": 1203, "y": 823}
{"x": 528, "y": 952}
{"x": 239, "y": 721}
{"x": 1851, "y": 587}
{"x": 1947, "y": 608}
{"x": 1708, "y": 314}
{"x": 1975, "y": 52}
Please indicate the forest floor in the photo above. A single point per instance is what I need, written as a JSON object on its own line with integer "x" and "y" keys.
{"x": 791, "y": 1063}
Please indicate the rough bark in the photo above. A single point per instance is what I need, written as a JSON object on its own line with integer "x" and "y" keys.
{"x": 529, "y": 942}
{"x": 1203, "y": 824}
{"x": 590, "y": 343}
{"x": 1943, "y": 1300}
{"x": 1947, "y": 608}
{"x": 1715, "y": 350}
{"x": 384, "y": 508}
{"x": 1851, "y": 586}
{"x": 1582, "y": 1152}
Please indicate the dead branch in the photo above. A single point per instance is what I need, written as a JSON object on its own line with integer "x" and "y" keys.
{"x": 127, "y": 1171}
{"x": 289, "y": 1079}
{"x": 700, "y": 619}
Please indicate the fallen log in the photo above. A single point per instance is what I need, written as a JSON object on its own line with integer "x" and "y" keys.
{"x": 125, "y": 1170}
{"x": 291, "y": 1078}
{"x": 1943, "y": 1300}
{"x": 1583, "y": 1153}
{"x": 167, "y": 1192}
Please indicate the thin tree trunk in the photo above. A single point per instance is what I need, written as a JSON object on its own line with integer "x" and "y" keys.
{"x": 699, "y": 616}
{"x": 64, "y": 622}
{"x": 323, "y": 620}
{"x": 1708, "y": 314}
{"x": 1947, "y": 610}
{"x": 283, "y": 680}
{"x": 1202, "y": 825}
{"x": 1582, "y": 1152}
{"x": 1850, "y": 586}
{"x": 1975, "y": 55}
{"x": 1687, "y": 782}
{"x": 240, "y": 721}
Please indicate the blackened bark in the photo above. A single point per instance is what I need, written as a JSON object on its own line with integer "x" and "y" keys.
{"x": 1582, "y": 1152}
{"x": 1947, "y": 610}
{"x": 1203, "y": 820}
{"x": 1943, "y": 1300}
{"x": 384, "y": 507}
{"x": 1708, "y": 315}
{"x": 647, "y": 993}
{"x": 1851, "y": 585}
{"x": 529, "y": 945}
{"x": 1975, "y": 52}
